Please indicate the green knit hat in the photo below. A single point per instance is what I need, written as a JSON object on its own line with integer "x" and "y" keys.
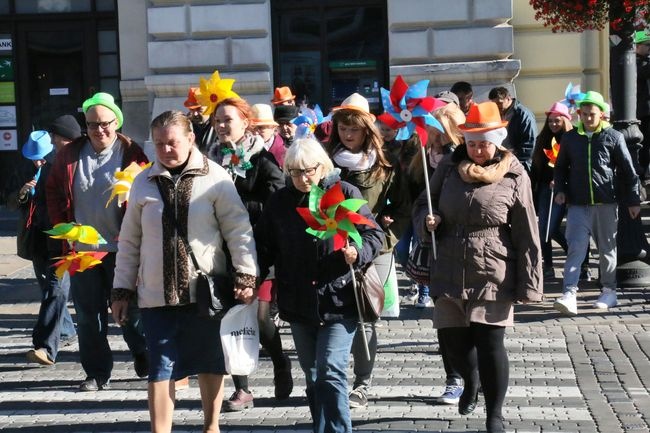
{"x": 641, "y": 37}
{"x": 595, "y": 98}
{"x": 107, "y": 101}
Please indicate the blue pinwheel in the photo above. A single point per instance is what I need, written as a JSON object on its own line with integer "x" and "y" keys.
{"x": 572, "y": 94}
{"x": 308, "y": 120}
{"x": 408, "y": 109}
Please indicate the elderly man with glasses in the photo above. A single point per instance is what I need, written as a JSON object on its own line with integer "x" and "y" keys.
{"x": 78, "y": 190}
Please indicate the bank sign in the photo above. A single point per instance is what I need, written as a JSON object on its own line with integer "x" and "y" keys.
{"x": 6, "y": 45}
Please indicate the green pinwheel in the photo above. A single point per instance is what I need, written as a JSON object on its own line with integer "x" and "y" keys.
{"x": 331, "y": 215}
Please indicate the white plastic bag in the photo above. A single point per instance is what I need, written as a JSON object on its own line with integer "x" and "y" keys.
{"x": 240, "y": 339}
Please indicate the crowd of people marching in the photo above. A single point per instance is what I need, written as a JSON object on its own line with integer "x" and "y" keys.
{"x": 468, "y": 186}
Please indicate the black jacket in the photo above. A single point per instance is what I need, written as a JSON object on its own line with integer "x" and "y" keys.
{"x": 588, "y": 170}
{"x": 313, "y": 281}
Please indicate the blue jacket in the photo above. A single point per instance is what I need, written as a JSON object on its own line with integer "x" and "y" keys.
{"x": 313, "y": 281}
{"x": 522, "y": 131}
{"x": 589, "y": 171}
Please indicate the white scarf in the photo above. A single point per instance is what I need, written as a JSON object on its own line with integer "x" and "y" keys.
{"x": 355, "y": 161}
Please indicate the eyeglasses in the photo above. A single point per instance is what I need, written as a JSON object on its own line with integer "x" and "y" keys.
{"x": 297, "y": 172}
{"x": 103, "y": 125}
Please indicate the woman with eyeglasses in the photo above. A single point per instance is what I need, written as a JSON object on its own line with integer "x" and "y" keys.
{"x": 256, "y": 175}
{"x": 314, "y": 282}
{"x": 355, "y": 147}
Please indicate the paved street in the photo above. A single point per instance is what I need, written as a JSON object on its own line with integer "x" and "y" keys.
{"x": 590, "y": 373}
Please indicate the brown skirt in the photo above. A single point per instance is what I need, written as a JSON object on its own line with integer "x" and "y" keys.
{"x": 455, "y": 313}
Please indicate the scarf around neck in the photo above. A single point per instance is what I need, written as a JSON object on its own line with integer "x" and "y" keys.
{"x": 355, "y": 161}
{"x": 471, "y": 172}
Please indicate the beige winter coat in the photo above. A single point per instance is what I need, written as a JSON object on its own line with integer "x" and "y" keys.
{"x": 152, "y": 260}
{"x": 488, "y": 242}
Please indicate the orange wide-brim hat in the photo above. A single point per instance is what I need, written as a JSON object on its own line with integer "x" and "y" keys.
{"x": 191, "y": 101}
{"x": 483, "y": 117}
{"x": 282, "y": 94}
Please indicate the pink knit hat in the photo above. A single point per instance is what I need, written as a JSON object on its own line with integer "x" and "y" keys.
{"x": 559, "y": 109}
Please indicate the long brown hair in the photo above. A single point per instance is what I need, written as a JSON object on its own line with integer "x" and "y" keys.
{"x": 373, "y": 140}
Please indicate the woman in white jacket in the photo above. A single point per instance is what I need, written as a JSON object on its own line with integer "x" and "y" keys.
{"x": 202, "y": 205}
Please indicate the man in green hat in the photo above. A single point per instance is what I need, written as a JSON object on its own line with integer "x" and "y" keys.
{"x": 593, "y": 159}
{"x": 78, "y": 190}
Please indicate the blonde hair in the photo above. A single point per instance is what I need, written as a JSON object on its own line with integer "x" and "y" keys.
{"x": 451, "y": 117}
{"x": 307, "y": 152}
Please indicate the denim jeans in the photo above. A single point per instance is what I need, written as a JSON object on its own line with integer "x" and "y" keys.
{"x": 91, "y": 293}
{"x": 601, "y": 222}
{"x": 555, "y": 233}
{"x": 323, "y": 353}
{"x": 403, "y": 246}
{"x": 54, "y": 321}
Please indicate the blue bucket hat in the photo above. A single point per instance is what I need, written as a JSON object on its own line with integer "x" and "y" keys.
{"x": 38, "y": 145}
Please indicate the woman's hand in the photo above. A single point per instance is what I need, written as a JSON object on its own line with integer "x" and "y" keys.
{"x": 244, "y": 294}
{"x": 120, "y": 310}
{"x": 350, "y": 254}
{"x": 432, "y": 222}
{"x": 386, "y": 220}
{"x": 26, "y": 188}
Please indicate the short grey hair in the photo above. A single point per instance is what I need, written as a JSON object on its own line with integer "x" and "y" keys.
{"x": 307, "y": 152}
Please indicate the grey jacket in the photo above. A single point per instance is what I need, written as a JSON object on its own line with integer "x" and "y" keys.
{"x": 488, "y": 243}
{"x": 588, "y": 170}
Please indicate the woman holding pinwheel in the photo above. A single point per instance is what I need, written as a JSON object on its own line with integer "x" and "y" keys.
{"x": 355, "y": 147}
{"x": 558, "y": 121}
{"x": 256, "y": 175}
{"x": 312, "y": 255}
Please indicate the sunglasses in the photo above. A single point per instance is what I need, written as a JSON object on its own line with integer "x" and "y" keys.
{"x": 96, "y": 125}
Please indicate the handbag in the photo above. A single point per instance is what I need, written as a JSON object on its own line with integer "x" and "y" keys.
{"x": 417, "y": 266}
{"x": 370, "y": 293}
{"x": 211, "y": 290}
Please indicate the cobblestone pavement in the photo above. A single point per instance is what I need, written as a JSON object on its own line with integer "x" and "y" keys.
{"x": 589, "y": 373}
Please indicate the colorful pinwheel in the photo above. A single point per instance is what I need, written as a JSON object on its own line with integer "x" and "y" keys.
{"x": 552, "y": 153}
{"x": 571, "y": 95}
{"x": 236, "y": 161}
{"x": 308, "y": 120}
{"x": 123, "y": 181}
{"x": 214, "y": 90}
{"x": 77, "y": 262}
{"x": 331, "y": 215}
{"x": 409, "y": 109}
{"x": 73, "y": 232}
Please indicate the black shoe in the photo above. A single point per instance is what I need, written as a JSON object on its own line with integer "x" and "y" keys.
{"x": 283, "y": 381}
{"x": 141, "y": 364}
{"x": 467, "y": 402}
{"x": 495, "y": 425}
{"x": 92, "y": 384}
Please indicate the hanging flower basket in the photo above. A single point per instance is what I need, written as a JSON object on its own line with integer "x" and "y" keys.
{"x": 581, "y": 15}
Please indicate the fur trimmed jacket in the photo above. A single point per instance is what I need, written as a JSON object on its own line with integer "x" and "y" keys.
{"x": 152, "y": 258}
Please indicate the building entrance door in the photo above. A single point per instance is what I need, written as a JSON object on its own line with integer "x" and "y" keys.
{"x": 55, "y": 77}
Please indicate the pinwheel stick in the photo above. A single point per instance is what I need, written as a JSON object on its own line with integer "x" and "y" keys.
{"x": 428, "y": 188}
{"x": 361, "y": 322}
{"x": 548, "y": 219}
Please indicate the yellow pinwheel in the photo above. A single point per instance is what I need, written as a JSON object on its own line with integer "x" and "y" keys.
{"x": 73, "y": 232}
{"x": 123, "y": 181}
{"x": 214, "y": 90}
{"x": 77, "y": 262}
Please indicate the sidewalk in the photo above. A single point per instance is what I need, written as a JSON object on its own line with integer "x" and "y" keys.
{"x": 587, "y": 374}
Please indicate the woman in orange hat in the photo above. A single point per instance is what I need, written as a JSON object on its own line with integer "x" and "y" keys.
{"x": 355, "y": 146}
{"x": 488, "y": 255}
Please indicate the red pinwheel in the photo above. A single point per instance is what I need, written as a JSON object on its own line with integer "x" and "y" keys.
{"x": 552, "y": 153}
{"x": 330, "y": 214}
{"x": 408, "y": 109}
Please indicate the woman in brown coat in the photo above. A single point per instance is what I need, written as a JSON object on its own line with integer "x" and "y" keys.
{"x": 488, "y": 255}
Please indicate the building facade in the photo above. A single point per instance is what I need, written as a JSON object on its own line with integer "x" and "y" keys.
{"x": 149, "y": 52}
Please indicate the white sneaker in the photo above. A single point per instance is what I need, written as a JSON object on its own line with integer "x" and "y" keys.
{"x": 606, "y": 300}
{"x": 567, "y": 304}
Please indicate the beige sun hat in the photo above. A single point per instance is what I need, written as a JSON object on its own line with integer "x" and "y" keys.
{"x": 262, "y": 115}
{"x": 355, "y": 102}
